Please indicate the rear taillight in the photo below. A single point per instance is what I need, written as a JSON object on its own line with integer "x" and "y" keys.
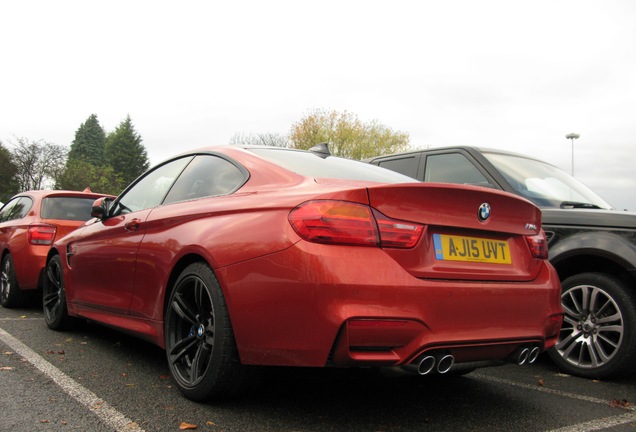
{"x": 397, "y": 234}
{"x": 538, "y": 245}
{"x": 41, "y": 234}
{"x": 347, "y": 223}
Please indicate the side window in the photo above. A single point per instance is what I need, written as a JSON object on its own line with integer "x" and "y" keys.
{"x": 206, "y": 176}
{"x": 404, "y": 165}
{"x": 152, "y": 188}
{"x": 16, "y": 209}
{"x": 453, "y": 168}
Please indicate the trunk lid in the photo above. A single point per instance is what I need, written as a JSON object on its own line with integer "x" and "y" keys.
{"x": 457, "y": 243}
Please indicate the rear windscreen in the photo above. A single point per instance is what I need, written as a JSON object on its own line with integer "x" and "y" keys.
{"x": 309, "y": 164}
{"x": 67, "y": 208}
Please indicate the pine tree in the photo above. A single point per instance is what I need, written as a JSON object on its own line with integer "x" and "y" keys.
{"x": 125, "y": 152}
{"x": 88, "y": 145}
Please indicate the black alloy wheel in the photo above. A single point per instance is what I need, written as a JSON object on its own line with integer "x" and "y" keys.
{"x": 598, "y": 336}
{"x": 54, "y": 296}
{"x": 200, "y": 345}
{"x": 10, "y": 294}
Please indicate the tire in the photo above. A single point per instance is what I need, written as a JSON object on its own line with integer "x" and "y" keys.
{"x": 10, "y": 294}
{"x": 200, "y": 345}
{"x": 54, "y": 296}
{"x": 598, "y": 336}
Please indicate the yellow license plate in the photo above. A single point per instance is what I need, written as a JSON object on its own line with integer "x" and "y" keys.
{"x": 473, "y": 249}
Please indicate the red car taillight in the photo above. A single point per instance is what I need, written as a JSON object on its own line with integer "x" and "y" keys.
{"x": 41, "y": 234}
{"x": 538, "y": 245}
{"x": 347, "y": 223}
{"x": 397, "y": 234}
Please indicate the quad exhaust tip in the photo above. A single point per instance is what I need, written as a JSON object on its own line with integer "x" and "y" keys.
{"x": 437, "y": 362}
{"x": 534, "y": 354}
{"x": 445, "y": 363}
{"x": 426, "y": 365}
{"x": 525, "y": 355}
{"x": 442, "y": 362}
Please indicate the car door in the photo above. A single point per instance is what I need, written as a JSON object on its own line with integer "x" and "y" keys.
{"x": 171, "y": 227}
{"x": 104, "y": 257}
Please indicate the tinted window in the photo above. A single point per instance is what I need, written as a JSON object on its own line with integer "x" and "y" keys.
{"x": 453, "y": 168}
{"x": 17, "y": 208}
{"x": 67, "y": 208}
{"x": 152, "y": 188}
{"x": 404, "y": 165}
{"x": 311, "y": 165}
{"x": 206, "y": 176}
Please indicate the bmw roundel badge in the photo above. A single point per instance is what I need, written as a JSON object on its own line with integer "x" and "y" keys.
{"x": 484, "y": 212}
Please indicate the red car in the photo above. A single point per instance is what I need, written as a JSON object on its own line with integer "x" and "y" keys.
{"x": 29, "y": 223}
{"x": 230, "y": 257}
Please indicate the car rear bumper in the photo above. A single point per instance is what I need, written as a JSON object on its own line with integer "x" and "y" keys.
{"x": 313, "y": 305}
{"x": 29, "y": 265}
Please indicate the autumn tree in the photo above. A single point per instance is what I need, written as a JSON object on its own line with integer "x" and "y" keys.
{"x": 125, "y": 153}
{"x": 347, "y": 135}
{"x": 38, "y": 163}
{"x": 89, "y": 141}
{"x": 8, "y": 181}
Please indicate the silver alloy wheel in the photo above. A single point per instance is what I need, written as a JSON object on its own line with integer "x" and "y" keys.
{"x": 593, "y": 327}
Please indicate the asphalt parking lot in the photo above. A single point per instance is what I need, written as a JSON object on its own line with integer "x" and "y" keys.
{"x": 96, "y": 379}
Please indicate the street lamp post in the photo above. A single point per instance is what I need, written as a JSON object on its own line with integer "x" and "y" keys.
{"x": 572, "y": 136}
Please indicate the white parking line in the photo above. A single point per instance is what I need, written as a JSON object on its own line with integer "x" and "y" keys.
{"x": 600, "y": 424}
{"x": 121, "y": 423}
{"x": 97, "y": 406}
{"x": 593, "y": 425}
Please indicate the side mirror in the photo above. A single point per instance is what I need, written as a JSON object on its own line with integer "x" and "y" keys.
{"x": 100, "y": 208}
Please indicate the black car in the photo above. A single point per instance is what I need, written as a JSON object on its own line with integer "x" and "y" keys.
{"x": 592, "y": 246}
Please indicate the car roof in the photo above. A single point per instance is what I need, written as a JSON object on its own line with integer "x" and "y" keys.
{"x": 469, "y": 149}
{"x": 43, "y": 193}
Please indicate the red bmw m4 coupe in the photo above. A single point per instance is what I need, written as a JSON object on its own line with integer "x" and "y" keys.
{"x": 232, "y": 257}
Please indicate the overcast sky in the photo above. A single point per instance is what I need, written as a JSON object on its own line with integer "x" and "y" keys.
{"x": 515, "y": 75}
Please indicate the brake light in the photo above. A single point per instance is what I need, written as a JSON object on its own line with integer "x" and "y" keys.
{"x": 538, "y": 245}
{"x": 347, "y": 223}
{"x": 41, "y": 234}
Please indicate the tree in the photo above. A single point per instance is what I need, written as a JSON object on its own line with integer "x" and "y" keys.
{"x": 125, "y": 153}
{"x": 269, "y": 139}
{"x": 89, "y": 142}
{"x": 80, "y": 174}
{"x": 347, "y": 135}
{"x": 8, "y": 181}
{"x": 38, "y": 163}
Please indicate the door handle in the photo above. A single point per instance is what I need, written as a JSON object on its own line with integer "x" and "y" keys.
{"x": 132, "y": 225}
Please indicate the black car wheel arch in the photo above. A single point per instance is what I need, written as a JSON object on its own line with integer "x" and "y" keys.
{"x": 200, "y": 346}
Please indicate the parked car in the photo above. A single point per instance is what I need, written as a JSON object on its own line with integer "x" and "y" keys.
{"x": 29, "y": 223}
{"x": 231, "y": 257}
{"x": 592, "y": 246}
